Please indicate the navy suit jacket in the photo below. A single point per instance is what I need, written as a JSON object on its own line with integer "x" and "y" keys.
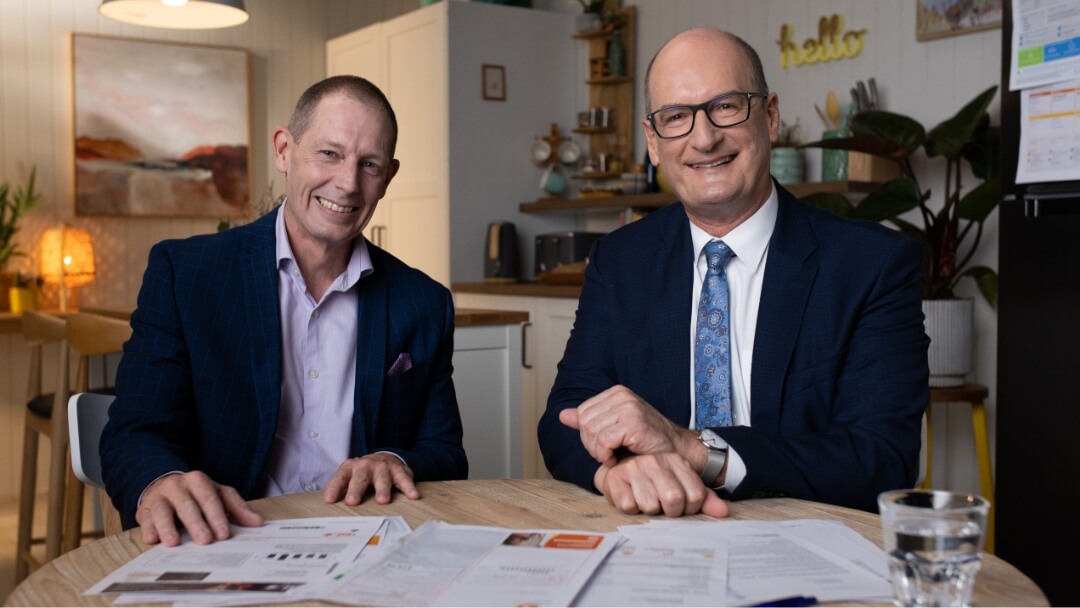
{"x": 839, "y": 378}
{"x": 199, "y": 384}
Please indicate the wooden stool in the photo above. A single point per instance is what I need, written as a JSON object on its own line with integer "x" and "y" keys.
{"x": 975, "y": 394}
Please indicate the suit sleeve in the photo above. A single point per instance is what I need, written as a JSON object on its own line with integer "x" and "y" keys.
{"x": 150, "y": 422}
{"x": 585, "y": 370}
{"x": 432, "y": 444}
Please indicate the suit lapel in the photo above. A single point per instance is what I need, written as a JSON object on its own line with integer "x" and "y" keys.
{"x": 669, "y": 275}
{"x": 789, "y": 274}
{"x": 259, "y": 281}
{"x": 371, "y": 340}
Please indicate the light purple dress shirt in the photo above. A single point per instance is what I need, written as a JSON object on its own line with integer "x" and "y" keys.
{"x": 318, "y": 373}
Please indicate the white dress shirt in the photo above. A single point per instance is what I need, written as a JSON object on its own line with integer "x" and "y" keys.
{"x": 745, "y": 274}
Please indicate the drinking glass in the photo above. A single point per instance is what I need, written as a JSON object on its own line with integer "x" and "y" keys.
{"x": 934, "y": 541}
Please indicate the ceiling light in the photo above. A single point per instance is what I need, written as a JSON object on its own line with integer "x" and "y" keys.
{"x": 176, "y": 14}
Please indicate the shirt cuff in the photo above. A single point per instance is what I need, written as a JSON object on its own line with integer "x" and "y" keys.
{"x": 736, "y": 471}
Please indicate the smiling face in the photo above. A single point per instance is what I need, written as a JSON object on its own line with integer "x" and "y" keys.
{"x": 336, "y": 172}
{"x": 721, "y": 175}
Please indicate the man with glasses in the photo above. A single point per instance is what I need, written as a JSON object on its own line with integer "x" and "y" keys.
{"x": 738, "y": 340}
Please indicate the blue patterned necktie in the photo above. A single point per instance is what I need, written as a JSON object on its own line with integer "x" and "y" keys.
{"x": 712, "y": 345}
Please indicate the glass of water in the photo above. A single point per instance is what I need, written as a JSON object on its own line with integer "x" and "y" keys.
{"x": 934, "y": 541}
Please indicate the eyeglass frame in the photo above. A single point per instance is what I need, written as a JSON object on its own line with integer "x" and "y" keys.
{"x": 704, "y": 106}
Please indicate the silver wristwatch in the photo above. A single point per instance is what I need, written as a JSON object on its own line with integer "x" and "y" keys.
{"x": 718, "y": 451}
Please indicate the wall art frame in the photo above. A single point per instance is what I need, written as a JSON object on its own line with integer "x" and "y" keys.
{"x": 942, "y": 18}
{"x": 161, "y": 129}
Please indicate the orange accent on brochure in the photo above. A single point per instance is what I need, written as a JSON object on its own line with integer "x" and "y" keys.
{"x": 574, "y": 541}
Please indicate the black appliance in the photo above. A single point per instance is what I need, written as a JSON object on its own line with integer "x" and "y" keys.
{"x": 1038, "y": 408}
{"x": 559, "y": 248}
{"x": 501, "y": 260}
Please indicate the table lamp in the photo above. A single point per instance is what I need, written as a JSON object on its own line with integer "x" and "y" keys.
{"x": 67, "y": 259}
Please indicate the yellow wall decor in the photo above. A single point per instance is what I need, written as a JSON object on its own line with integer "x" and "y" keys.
{"x": 830, "y": 45}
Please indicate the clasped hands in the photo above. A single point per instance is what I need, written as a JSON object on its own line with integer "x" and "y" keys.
{"x": 204, "y": 507}
{"x": 662, "y": 470}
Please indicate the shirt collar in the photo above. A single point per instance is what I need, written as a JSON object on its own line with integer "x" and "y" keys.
{"x": 748, "y": 240}
{"x": 359, "y": 262}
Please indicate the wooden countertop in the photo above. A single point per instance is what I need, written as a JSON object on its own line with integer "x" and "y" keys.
{"x": 519, "y": 289}
{"x": 11, "y": 323}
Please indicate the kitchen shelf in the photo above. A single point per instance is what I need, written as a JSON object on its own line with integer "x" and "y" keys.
{"x": 655, "y": 200}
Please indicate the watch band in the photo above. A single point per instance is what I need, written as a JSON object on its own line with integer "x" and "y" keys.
{"x": 714, "y": 464}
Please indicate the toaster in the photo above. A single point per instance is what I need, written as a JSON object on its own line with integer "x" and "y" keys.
{"x": 558, "y": 248}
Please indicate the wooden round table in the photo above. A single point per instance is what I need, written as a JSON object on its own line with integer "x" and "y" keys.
{"x": 530, "y": 503}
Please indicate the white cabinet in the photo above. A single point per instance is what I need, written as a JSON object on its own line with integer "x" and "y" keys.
{"x": 544, "y": 341}
{"x": 464, "y": 159}
{"x": 487, "y": 378}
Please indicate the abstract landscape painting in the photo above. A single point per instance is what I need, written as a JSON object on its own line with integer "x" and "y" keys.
{"x": 161, "y": 129}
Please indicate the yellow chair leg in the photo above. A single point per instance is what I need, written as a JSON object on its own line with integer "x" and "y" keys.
{"x": 927, "y": 482}
{"x": 982, "y": 452}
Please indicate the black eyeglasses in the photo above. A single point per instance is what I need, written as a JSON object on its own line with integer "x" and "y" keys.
{"x": 726, "y": 110}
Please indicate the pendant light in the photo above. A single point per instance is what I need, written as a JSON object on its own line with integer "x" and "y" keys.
{"x": 176, "y": 14}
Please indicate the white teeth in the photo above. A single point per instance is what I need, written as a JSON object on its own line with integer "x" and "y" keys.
{"x": 722, "y": 161}
{"x": 331, "y": 206}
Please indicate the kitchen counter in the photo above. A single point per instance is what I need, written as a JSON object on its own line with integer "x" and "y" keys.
{"x": 519, "y": 289}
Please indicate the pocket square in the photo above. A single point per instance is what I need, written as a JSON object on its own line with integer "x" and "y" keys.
{"x": 402, "y": 364}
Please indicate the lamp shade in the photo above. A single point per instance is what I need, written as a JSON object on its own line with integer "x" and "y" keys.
{"x": 67, "y": 256}
{"x": 176, "y": 14}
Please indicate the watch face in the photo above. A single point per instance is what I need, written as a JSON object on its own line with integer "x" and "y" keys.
{"x": 712, "y": 440}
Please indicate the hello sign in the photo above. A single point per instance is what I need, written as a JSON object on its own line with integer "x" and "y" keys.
{"x": 830, "y": 45}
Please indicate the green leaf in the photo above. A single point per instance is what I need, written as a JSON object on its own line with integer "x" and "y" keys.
{"x": 893, "y": 198}
{"x": 984, "y": 153}
{"x": 904, "y": 134}
{"x": 977, "y": 204}
{"x": 830, "y": 201}
{"x": 987, "y": 280}
{"x": 949, "y": 138}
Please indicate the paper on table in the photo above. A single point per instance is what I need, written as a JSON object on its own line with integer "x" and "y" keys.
{"x": 262, "y": 563}
{"x": 660, "y": 570}
{"x": 443, "y": 564}
{"x": 773, "y": 559}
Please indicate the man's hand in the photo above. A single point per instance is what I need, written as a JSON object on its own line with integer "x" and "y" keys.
{"x": 652, "y": 483}
{"x": 382, "y": 470}
{"x": 202, "y": 506}
{"x": 618, "y": 418}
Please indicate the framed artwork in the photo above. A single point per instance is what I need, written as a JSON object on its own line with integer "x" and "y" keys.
{"x": 494, "y": 85}
{"x": 161, "y": 129}
{"x": 940, "y": 18}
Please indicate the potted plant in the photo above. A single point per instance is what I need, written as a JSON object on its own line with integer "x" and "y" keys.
{"x": 949, "y": 226}
{"x": 13, "y": 206}
{"x": 590, "y": 18}
{"x": 786, "y": 159}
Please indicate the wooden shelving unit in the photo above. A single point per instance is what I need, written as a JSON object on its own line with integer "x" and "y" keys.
{"x": 654, "y": 200}
{"x": 616, "y": 140}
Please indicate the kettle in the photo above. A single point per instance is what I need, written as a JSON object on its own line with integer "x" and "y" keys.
{"x": 501, "y": 263}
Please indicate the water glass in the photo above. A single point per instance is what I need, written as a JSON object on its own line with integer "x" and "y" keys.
{"x": 934, "y": 541}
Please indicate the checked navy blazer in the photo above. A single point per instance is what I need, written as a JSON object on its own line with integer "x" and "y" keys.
{"x": 839, "y": 380}
{"x": 199, "y": 384}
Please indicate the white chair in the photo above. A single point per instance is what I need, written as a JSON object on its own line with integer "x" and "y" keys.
{"x": 87, "y": 415}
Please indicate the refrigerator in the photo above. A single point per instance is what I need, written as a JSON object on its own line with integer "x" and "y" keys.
{"x": 1038, "y": 375}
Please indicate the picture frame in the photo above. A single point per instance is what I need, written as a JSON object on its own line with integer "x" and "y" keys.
{"x": 161, "y": 129}
{"x": 942, "y": 18}
{"x": 494, "y": 82}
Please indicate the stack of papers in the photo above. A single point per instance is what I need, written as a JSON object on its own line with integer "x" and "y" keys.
{"x": 379, "y": 561}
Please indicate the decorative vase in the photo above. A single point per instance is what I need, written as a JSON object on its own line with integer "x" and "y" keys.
{"x": 950, "y": 325}
{"x": 786, "y": 165}
{"x": 834, "y": 162}
{"x": 616, "y": 55}
{"x": 587, "y": 22}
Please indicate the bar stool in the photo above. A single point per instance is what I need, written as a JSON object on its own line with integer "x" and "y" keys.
{"x": 89, "y": 335}
{"x": 976, "y": 395}
{"x": 46, "y": 414}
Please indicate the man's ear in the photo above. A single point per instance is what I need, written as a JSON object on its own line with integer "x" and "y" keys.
{"x": 650, "y": 142}
{"x": 281, "y": 141}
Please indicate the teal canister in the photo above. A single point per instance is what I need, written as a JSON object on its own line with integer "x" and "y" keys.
{"x": 834, "y": 162}
{"x": 786, "y": 165}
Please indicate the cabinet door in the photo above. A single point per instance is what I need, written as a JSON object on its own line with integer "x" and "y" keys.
{"x": 418, "y": 199}
{"x": 360, "y": 53}
{"x": 487, "y": 378}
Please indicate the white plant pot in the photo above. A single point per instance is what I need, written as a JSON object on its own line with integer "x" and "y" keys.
{"x": 950, "y": 325}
